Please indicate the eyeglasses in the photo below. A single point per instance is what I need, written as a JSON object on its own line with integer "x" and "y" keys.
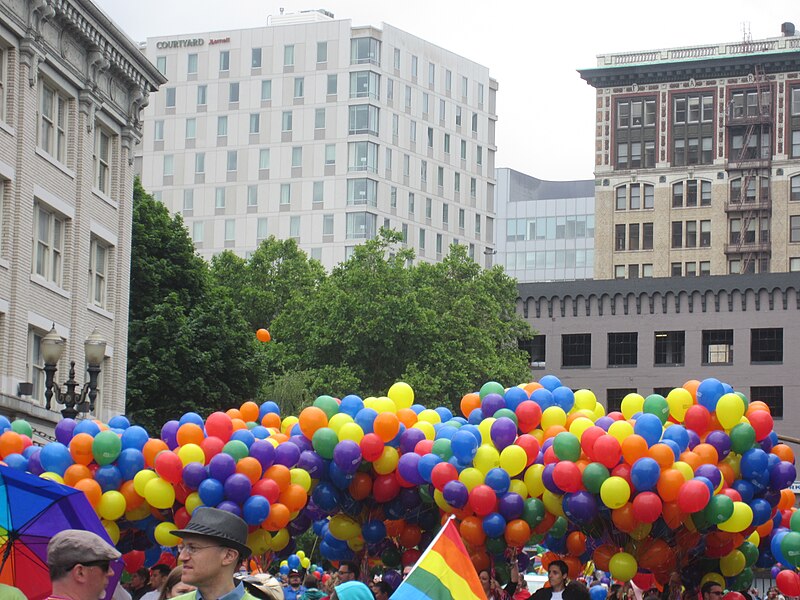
{"x": 103, "y": 564}
{"x": 191, "y": 549}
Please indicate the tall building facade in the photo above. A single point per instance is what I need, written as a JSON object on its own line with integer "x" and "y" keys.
{"x": 697, "y": 159}
{"x": 545, "y": 228}
{"x": 72, "y": 86}
{"x": 314, "y": 129}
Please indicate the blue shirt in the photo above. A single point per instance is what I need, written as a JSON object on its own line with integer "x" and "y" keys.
{"x": 289, "y": 593}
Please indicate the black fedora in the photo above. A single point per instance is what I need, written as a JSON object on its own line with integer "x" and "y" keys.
{"x": 226, "y": 528}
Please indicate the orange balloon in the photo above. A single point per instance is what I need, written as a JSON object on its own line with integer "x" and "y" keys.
{"x": 263, "y": 335}
{"x": 11, "y": 443}
{"x": 250, "y": 467}
{"x": 151, "y": 449}
{"x": 278, "y": 517}
{"x": 386, "y": 426}
{"x": 271, "y": 420}
{"x": 517, "y": 533}
{"x": 294, "y": 497}
{"x": 728, "y": 474}
{"x": 532, "y": 387}
{"x": 360, "y": 486}
{"x": 80, "y": 447}
{"x": 480, "y": 560}
{"x": 662, "y": 454}
{"x": 249, "y": 411}
{"x": 92, "y": 490}
{"x": 553, "y": 431}
{"x": 765, "y": 529}
{"x": 75, "y": 473}
{"x": 669, "y": 483}
{"x": 470, "y": 402}
{"x": 132, "y": 499}
{"x": 634, "y": 447}
{"x": 756, "y": 405}
{"x": 573, "y": 566}
{"x": 602, "y": 555}
{"x": 471, "y": 530}
{"x": 234, "y": 413}
{"x": 691, "y": 458}
{"x": 238, "y": 424}
{"x": 410, "y": 536}
{"x": 407, "y": 416}
{"x": 279, "y": 437}
{"x": 655, "y": 554}
{"x": 691, "y": 387}
{"x": 672, "y": 515}
{"x": 190, "y": 433}
{"x": 783, "y": 452}
{"x": 280, "y": 475}
{"x": 311, "y": 419}
{"x": 576, "y": 543}
{"x": 623, "y": 518}
{"x": 546, "y": 524}
{"x": 707, "y": 453}
{"x": 394, "y": 527}
{"x": 787, "y": 499}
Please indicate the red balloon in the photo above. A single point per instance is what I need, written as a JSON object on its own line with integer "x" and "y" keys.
{"x": 529, "y": 415}
{"x": 371, "y": 447}
{"x": 482, "y": 500}
{"x": 268, "y": 488}
{"x": 167, "y": 558}
{"x": 385, "y": 487}
{"x": 169, "y": 466}
{"x": 623, "y": 470}
{"x": 606, "y": 450}
{"x": 219, "y": 425}
{"x": 550, "y": 456}
{"x": 443, "y": 473}
{"x": 788, "y": 583}
{"x": 644, "y": 581}
{"x": 410, "y": 556}
{"x": 211, "y": 446}
{"x": 761, "y": 421}
{"x": 731, "y": 493}
{"x": 567, "y": 476}
{"x": 589, "y": 437}
{"x": 181, "y": 518}
{"x": 733, "y": 596}
{"x": 647, "y": 507}
{"x": 423, "y": 447}
{"x": 531, "y": 446}
{"x": 697, "y": 418}
{"x": 693, "y": 496}
{"x": 134, "y": 560}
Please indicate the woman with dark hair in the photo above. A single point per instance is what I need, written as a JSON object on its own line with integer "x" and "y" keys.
{"x": 173, "y": 586}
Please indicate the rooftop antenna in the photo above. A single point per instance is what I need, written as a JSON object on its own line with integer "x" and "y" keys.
{"x": 746, "y": 35}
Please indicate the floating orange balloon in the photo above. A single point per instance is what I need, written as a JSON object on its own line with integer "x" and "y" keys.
{"x": 576, "y": 543}
{"x": 634, "y": 447}
{"x": 311, "y": 419}
{"x": 708, "y": 454}
{"x": 386, "y": 426}
{"x": 92, "y": 490}
{"x": 294, "y": 497}
{"x": 517, "y": 533}
{"x": 602, "y": 555}
{"x": 11, "y": 443}
{"x": 361, "y": 486}
{"x": 250, "y": 468}
{"x": 272, "y": 420}
{"x": 669, "y": 484}
{"x": 470, "y": 402}
{"x": 278, "y": 517}
{"x": 263, "y": 335}
{"x": 80, "y": 447}
{"x": 280, "y": 475}
{"x": 471, "y": 530}
{"x": 151, "y": 449}
{"x": 249, "y": 411}
{"x": 75, "y": 473}
{"x": 190, "y": 433}
{"x": 783, "y": 452}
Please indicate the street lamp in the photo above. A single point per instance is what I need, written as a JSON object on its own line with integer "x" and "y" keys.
{"x": 74, "y": 401}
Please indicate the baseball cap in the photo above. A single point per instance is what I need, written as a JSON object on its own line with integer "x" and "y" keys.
{"x": 74, "y": 546}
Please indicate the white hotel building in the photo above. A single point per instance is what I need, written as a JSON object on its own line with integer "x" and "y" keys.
{"x": 314, "y": 129}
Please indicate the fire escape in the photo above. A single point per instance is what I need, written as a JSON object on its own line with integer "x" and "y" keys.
{"x": 750, "y": 127}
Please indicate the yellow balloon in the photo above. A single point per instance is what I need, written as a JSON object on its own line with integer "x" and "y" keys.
{"x": 301, "y": 478}
{"x": 112, "y": 505}
{"x": 715, "y": 577}
{"x": 620, "y": 430}
{"x": 471, "y": 477}
{"x": 350, "y": 431}
{"x": 52, "y": 477}
{"x": 485, "y": 428}
{"x": 513, "y": 460}
{"x": 585, "y": 400}
{"x": 517, "y": 486}
{"x": 112, "y": 529}
{"x": 384, "y": 404}
{"x": 679, "y": 400}
{"x": 355, "y": 545}
{"x": 755, "y": 538}
{"x": 159, "y": 493}
{"x": 258, "y": 541}
{"x": 615, "y": 492}
{"x": 579, "y": 425}
{"x": 734, "y": 461}
{"x": 730, "y": 410}
{"x": 533, "y": 480}
{"x": 190, "y": 453}
{"x": 486, "y": 458}
{"x": 623, "y": 566}
{"x": 387, "y": 462}
{"x": 426, "y": 428}
{"x": 288, "y": 423}
{"x": 641, "y": 531}
{"x": 740, "y": 519}
{"x": 141, "y": 479}
{"x": 438, "y": 498}
{"x": 300, "y": 554}
{"x": 429, "y": 415}
{"x": 339, "y": 419}
{"x": 599, "y": 411}
{"x": 140, "y": 512}
{"x": 684, "y": 468}
{"x": 402, "y": 394}
{"x": 163, "y": 535}
{"x": 553, "y": 503}
{"x": 192, "y": 501}
{"x": 632, "y": 404}
{"x": 553, "y": 415}
{"x": 280, "y": 539}
{"x": 732, "y": 564}
{"x": 343, "y": 527}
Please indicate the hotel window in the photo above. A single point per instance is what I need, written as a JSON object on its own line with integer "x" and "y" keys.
{"x": 364, "y": 118}
{"x": 474, "y": 122}
{"x": 794, "y": 228}
{"x": 623, "y": 349}
{"x": 691, "y": 193}
{"x": 98, "y": 267}
{"x": 158, "y": 131}
{"x": 286, "y": 193}
{"x": 458, "y": 116}
{"x": 169, "y": 165}
{"x": 426, "y": 103}
{"x": 36, "y": 372}
{"x": 233, "y": 92}
{"x": 414, "y": 66}
{"x": 222, "y": 126}
{"x": 448, "y": 81}
{"x": 225, "y": 60}
{"x": 198, "y": 229}
{"x": 393, "y": 197}
{"x": 479, "y": 156}
{"x": 464, "y": 86}
{"x": 322, "y": 52}
{"x": 408, "y": 96}
{"x": 717, "y": 346}
{"x": 361, "y": 225}
{"x": 692, "y": 129}
{"x": 286, "y": 120}
{"x": 439, "y": 243}
{"x": 219, "y": 198}
{"x": 188, "y": 202}
{"x": 252, "y": 195}
{"x": 363, "y": 156}
{"x": 480, "y": 94}
{"x": 647, "y": 236}
{"x": 255, "y": 58}
{"x": 288, "y": 55}
{"x": 362, "y": 191}
{"x": 332, "y": 85}
{"x": 447, "y": 143}
{"x": 423, "y": 171}
{"x": 396, "y": 63}
{"x": 691, "y": 234}
{"x": 102, "y": 160}
{"x": 299, "y": 87}
{"x": 297, "y": 156}
{"x": 440, "y": 176}
{"x": 161, "y": 64}
{"x": 422, "y": 237}
{"x": 53, "y": 115}
{"x": 477, "y": 226}
{"x": 170, "y": 98}
{"x": 230, "y": 230}
{"x": 411, "y": 204}
{"x": 395, "y": 125}
{"x": 191, "y": 128}
{"x": 327, "y": 224}
{"x": 191, "y": 64}
{"x": 200, "y": 162}
{"x": 389, "y": 89}
{"x": 202, "y": 93}
{"x": 620, "y": 232}
{"x": 318, "y": 192}
{"x": 794, "y": 189}
{"x": 462, "y": 217}
{"x": 388, "y": 160}
{"x": 319, "y": 118}
{"x": 445, "y": 214}
{"x": 576, "y": 350}
{"x": 771, "y": 395}
{"x": 473, "y": 187}
{"x": 705, "y": 233}
{"x": 365, "y": 84}
{"x": 255, "y": 122}
{"x": 261, "y": 229}
{"x": 48, "y": 243}
{"x": 431, "y": 74}
{"x": 442, "y": 112}
{"x": 759, "y": 144}
{"x": 365, "y": 50}
{"x": 677, "y": 234}
{"x": 412, "y": 132}
{"x": 635, "y": 133}
{"x": 330, "y": 154}
{"x": 766, "y": 345}
{"x": 456, "y": 181}
{"x": 266, "y": 90}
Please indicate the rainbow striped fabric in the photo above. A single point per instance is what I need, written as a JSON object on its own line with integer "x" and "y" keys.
{"x": 443, "y": 572}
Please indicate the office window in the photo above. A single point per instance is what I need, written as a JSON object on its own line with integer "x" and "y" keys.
{"x": 412, "y": 132}
{"x": 200, "y": 162}
{"x": 233, "y": 160}
{"x": 191, "y": 64}
{"x": 717, "y": 346}
{"x": 635, "y": 133}
{"x": 102, "y": 160}
{"x": 477, "y": 225}
{"x": 473, "y": 187}
{"x": 414, "y": 66}
{"x": 286, "y": 193}
{"x": 222, "y": 126}
{"x": 255, "y": 58}
{"x": 330, "y": 154}
{"x": 794, "y": 228}
{"x": 408, "y": 96}
{"x": 691, "y": 234}
{"x": 771, "y": 395}
{"x": 620, "y": 233}
{"x": 255, "y": 122}
{"x": 198, "y": 229}
{"x": 169, "y": 165}
{"x": 794, "y": 264}
{"x": 252, "y": 195}
{"x": 692, "y": 128}
{"x": 297, "y": 156}
{"x": 705, "y": 234}
{"x": 322, "y": 52}
{"x": 422, "y": 238}
{"x": 261, "y": 229}
{"x": 623, "y": 349}
{"x": 233, "y": 92}
{"x": 389, "y": 89}
{"x": 188, "y": 201}
{"x": 191, "y": 128}
{"x": 219, "y": 198}
{"x": 332, "y": 84}
{"x": 224, "y": 60}
{"x": 677, "y": 234}
{"x": 230, "y": 230}
{"x": 670, "y": 348}
{"x": 266, "y": 89}
{"x": 319, "y": 118}
{"x": 439, "y": 243}
{"x": 161, "y": 64}
{"x": 691, "y": 193}
{"x": 263, "y": 158}
{"x": 576, "y": 350}
{"x": 393, "y": 197}
{"x": 462, "y": 216}
{"x": 364, "y": 118}
{"x": 365, "y": 84}
{"x": 170, "y": 97}
{"x": 288, "y": 55}
{"x": 362, "y": 191}
{"x": 396, "y": 62}
{"x": 633, "y": 236}
{"x": 474, "y": 122}
{"x": 53, "y": 116}
{"x": 411, "y": 204}
{"x": 158, "y": 131}
{"x": 327, "y": 224}
{"x": 423, "y": 171}
{"x": 98, "y": 267}
{"x": 363, "y": 156}
{"x": 48, "y": 243}
{"x": 766, "y": 345}
{"x": 286, "y": 120}
{"x": 299, "y": 87}
{"x": 361, "y": 225}
{"x": 202, "y": 93}
{"x": 365, "y": 50}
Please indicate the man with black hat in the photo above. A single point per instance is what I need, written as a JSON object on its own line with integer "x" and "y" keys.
{"x": 214, "y": 544}
{"x": 80, "y": 564}
{"x": 294, "y": 590}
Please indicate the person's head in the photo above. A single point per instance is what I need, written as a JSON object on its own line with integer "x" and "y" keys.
{"x": 173, "y": 586}
{"x": 214, "y": 543}
{"x": 382, "y": 590}
{"x": 348, "y": 571}
{"x": 486, "y": 579}
{"x": 772, "y": 592}
{"x": 80, "y": 564}
{"x": 557, "y": 574}
{"x": 158, "y": 575}
{"x": 310, "y": 581}
{"x": 406, "y": 570}
{"x": 294, "y": 578}
{"x": 711, "y": 590}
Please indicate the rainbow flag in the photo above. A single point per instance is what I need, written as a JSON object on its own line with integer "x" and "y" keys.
{"x": 443, "y": 572}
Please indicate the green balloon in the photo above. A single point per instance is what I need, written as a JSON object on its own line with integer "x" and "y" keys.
{"x": 750, "y": 552}
{"x": 237, "y": 449}
{"x": 700, "y": 521}
{"x": 22, "y": 427}
{"x": 743, "y": 436}
{"x": 391, "y": 557}
{"x": 533, "y": 512}
{"x": 251, "y": 424}
{"x": 743, "y": 580}
{"x": 593, "y": 477}
{"x": 424, "y": 493}
{"x": 502, "y": 572}
{"x": 719, "y": 509}
{"x": 324, "y": 441}
{"x": 491, "y": 387}
{"x": 441, "y": 448}
{"x": 567, "y": 446}
{"x": 794, "y": 523}
{"x": 495, "y": 545}
{"x": 106, "y": 447}
{"x": 328, "y": 405}
{"x": 790, "y": 548}
{"x": 744, "y": 399}
{"x": 657, "y": 405}
{"x": 507, "y": 412}
{"x": 559, "y": 528}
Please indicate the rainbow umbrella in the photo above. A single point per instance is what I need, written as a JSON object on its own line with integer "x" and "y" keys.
{"x": 33, "y": 510}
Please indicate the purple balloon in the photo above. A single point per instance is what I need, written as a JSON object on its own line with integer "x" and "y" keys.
{"x": 393, "y": 578}
{"x": 604, "y": 422}
{"x": 194, "y": 474}
{"x": 580, "y": 507}
{"x": 301, "y": 442}
{"x": 263, "y": 452}
{"x": 237, "y": 488}
{"x": 547, "y": 479}
{"x": 782, "y": 475}
{"x": 64, "y": 430}
{"x": 222, "y": 466}
{"x": 455, "y": 494}
{"x": 287, "y": 455}
{"x": 766, "y": 444}
{"x": 510, "y": 505}
{"x": 409, "y": 498}
{"x": 347, "y": 456}
{"x": 299, "y": 524}
{"x": 35, "y": 462}
{"x": 491, "y": 404}
{"x": 503, "y": 432}
{"x": 523, "y": 560}
{"x": 710, "y": 472}
{"x": 169, "y": 434}
{"x": 409, "y": 439}
{"x": 311, "y": 462}
{"x": 230, "y": 507}
{"x": 407, "y": 466}
{"x": 721, "y": 441}
{"x": 694, "y": 439}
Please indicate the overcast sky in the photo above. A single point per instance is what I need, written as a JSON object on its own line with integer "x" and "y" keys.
{"x": 545, "y": 110}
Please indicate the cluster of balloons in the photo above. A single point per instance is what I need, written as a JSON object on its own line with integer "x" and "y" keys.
{"x": 694, "y": 482}
{"x": 298, "y": 561}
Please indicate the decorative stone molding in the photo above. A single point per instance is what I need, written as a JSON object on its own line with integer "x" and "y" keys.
{"x": 88, "y": 104}
{"x": 30, "y": 55}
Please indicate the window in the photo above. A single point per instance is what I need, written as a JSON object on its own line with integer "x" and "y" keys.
{"x": 456, "y": 182}
{"x": 255, "y": 122}
{"x": 477, "y": 225}
{"x": 614, "y": 397}
{"x": 252, "y": 195}
{"x": 794, "y": 264}
{"x": 261, "y": 229}
{"x": 263, "y": 158}
{"x": 161, "y": 64}
{"x": 439, "y": 243}
{"x": 691, "y": 193}
{"x": 408, "y": 96}
{"x": 330, "y": 154}
{"x": 718, "y": 346}
{"x": 766, "y": 345}
{"x": 691, "y": 234}
{"x": 647, "y": 270}
{"x": 535, "y": 348}
{"x": 360, "y": 225}
{"x": 705, "y": 267}
{"x": 464, "y": 86}
{"x": 233, "y": 92}
{"x": 188, "y": 201}
{"x": 202, "y": 92}
{"x": 670, "y": 348}
{"x": 390, "y": 90}
{"x": 286, "y": 120}
{"x": 286, "y": 193}
{"x": 191, "y": 64}
{"x": 191, "y": 128}
{"x": 412, "y": 132}
{"x": 364, "y": 119}
{"x": 478, "y": 155}
{"x": 200, "y": 162}
{"x": 633, "y": 236}
{"x": 619, "y": 237}
{"x": 622, "y": 349}
{"x": 219, "y": 198}
{"x": 53, "y": 122}
{"x": 48, "y": 244}
{"x": 396, "y": 62}
{"x": 474, "y": 122}
{"x": 327, "y": 224}
{"x": 365, "y": 84}
{"x": 794, "y": 228}
{"x": 102, "y": 160}
{"x": 458, "y": 116}
{"x": 266, "y": 90}
{"x": 423, "y": 171}
{"x": 473, "y": 187}
{"x": 447, "y": 143}
{"x": 288, "y": 55}
{"x": 98, "y": 267}
{"x": 36, "y": 372}
{"x": 225, "y": 60}
{"x": 411, "y": 204}
{"x": 414, "y": 66}
{"x": 647, "y": 236}
{"x": 422, "y": 237}
{"x": 692, "y": 129}
{"x": 619, "y": 272}
{"x": 771, "y": 395}
{"x": 332, "y": 84}
{"x": 322, "y": 52}
{"x": 318, "y": 192}
{"x": 158, "y": 131}
{"x": 233, "y": 160}
{"x": 230, "y": 230}
{"x": 319, "y": 118}
{"x": 222, "y": 126}
{"x": 634, "y": 196}
{"x": 393, "y": 197}
{"x": 426, "y": 104}
{"x": 299, "y": 87}
{"x": 362, "y": 191}
{"x": 576, "y": 350}
{"x": 677, "y": 234}
{"x": 255, "y": 58}
{"x": 294, "y": 227}
{"x": 198, "y": 229}
{"x": 169, "y": 165}
{"x": 365, "y": 50}
{"x": 297, "y": 156}
{"x": 170, "y": 97}
{"x": 705, "y": 234}
{"x": 388, "y": 160}
{"x": 635, "y": 133}
{"x": 363, "y": 156}
{"x": 440, "y": 176}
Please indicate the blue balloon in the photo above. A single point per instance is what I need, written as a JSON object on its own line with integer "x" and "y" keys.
{"x": 745, "y": 489}
{"x": 709, "y": 392}
{"x": 707, "y": 482}
{"x": 678, "y": 434}
{"x": 134, "y": 437}
{"x": 295, "y": 430}
{"x": 373, "y": 531}
{"x": 16, "y": 461}
{"x": 284, "y": 569}
{"x": 550, "y": 382}
{"x": 417, "y": 408}
{"x": 544, "y": 398}
{"x": 598, "y": 592}
{"x": 498, "y": 480}
{"x": 754, "y": 461}
{"x": 325, "y": 496}
{"x": 445, "y": 432}
{"x": 109, "y": 478}
{"x": 260, "y": 432}
{"x": 649, "y": 427}
{"x": 494, "y": 525}
{"x": 211, "y": 492}
{"x": 130, "y": 461}
{"x": 444, "y": 413}
{"x": 87, "y": 426}
{"x": 338, "y": 477}
{"x": 5, "y": 424}
{"x": 55, "y": 457}
{"x": 762, "y": 511}
{"x": 564, "y": 397}
{"x": 351, "y": 404}
{"x": 293, "y": 561}
{"x": 515, "y": 396}
{"x": 365, "y": 418}
{"x": 268, "y": 407}
{"x": 244, "y": 435}
{"x": 775, "y": 544}
{"x": 119, "y": 422}
{"x": 473, "y": 429}
{"x": 645, "y": 473}
{"x": 426, "y": 464}
{"x": 676, "y": 451}
{"x": 255, "y": 509}
{"x": 464, "y": 445}
{"x": 476, "y": 416}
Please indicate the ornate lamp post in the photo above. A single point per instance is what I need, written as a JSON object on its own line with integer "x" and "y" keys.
{"x": 74, "y": 400}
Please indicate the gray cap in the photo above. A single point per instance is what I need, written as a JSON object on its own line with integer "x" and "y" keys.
{"x": 75, "y": 546}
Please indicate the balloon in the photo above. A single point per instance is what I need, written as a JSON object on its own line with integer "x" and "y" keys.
{"x": 622, "y": 566}
{"x": 262, "y": 335}
{"x": 615, "y": 492}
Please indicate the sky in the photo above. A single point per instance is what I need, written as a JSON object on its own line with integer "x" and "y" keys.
{"x": 533, "y": 48}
